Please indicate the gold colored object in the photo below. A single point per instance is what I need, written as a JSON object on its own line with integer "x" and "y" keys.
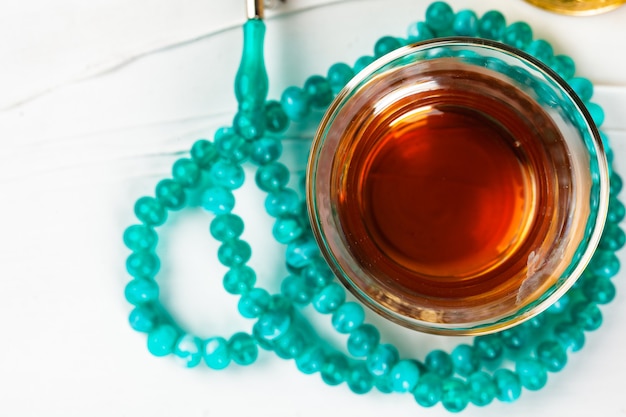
{"x": 578, "y": 7}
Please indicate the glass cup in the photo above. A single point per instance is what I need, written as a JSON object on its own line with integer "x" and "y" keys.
{"x": 457, "y": 186}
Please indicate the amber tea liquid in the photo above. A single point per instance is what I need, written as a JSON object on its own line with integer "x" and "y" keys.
{"x": 447, "y": 194}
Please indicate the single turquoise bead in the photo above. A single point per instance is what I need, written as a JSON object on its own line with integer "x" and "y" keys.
{"x": 171, "y": 194}
{"x": 303, "y": 214}
{"x": 455, "y": 395}
{"x": 617, "y": 211}
{"x": 439, "y": 16}
{"x": 552, "y": 355}
{"x": 250, "y": 125}
{"x": 276, "y": 120}
{"x": 419, "y": 31}
{"x": 583, "y": 87}
{"x": 492, "y": 25}
{"x": 295, "y": 103}
{"x": 532, "y": 374}
{"x": 186, "y": 172}
{"x": 271, "y": 325}
{"x": 287, "y": 229}
{"x": 599, "y": 290}
{"x": 518, "y": 35}
{"x": 541, "y": 49}
{"x": 465, "y": 360}
{"x": 465, "y": 23}
{"x": 294, "y": 287}
{"x": 253, "y": 303}
{"x": 508, "y": 385}
{"x": 604, "y": 264}
{"x": 317, "y": 274}
{"x": 216, "y": 353}
{"x": 149, "y": 211}
{"x": 204, "y": 153}
{"x": 161, "y": 340}
{"x": 482, "y": 389}
{"x": 239, "y": 280}
{"x": 218, "y": 200}
{"x": 301, "y": 252}
{"x": 597, "y": 114}
{"x": 348, "y": 317}
{"x": 140, "y": 237}
{"x": 243, "y": 349}
{"x": 363, "y": 340}
{"x": 383, "y": 384}
{"x": 311, "y": 361}
{"x": 272, "y": 177}
{"x": 281, "y": 203}
{"x": 587, "y": 315}
{"x": 227, "y": 174}
{"x": 141, "y": 291}
{"x": 359, "y": 380}
{"x": 266, "y": 150}
{"x": 489, "y": 347}
{"x": 143, "y": 265}
{"x": 404, "y": 376}
{"x": 382, "y": 359}
{"x": 429, "y": 390}
{"x": 385, "y": 45}
{"x": 564, "y": 66}
{"x": 143, "y": 319}
{"x": 319, "y": 92}
{"x": 616, "y": 183}
{"x": 291, "y": 345}
{"x": 233, "y": 253}
{"x": 188, "y": 350}
{"x": 363, "y": 62}
{"x": 330, "y": 298}
{"x": 335, "y": 369}
{"x": 232, "y": 147}
{"x": 220, "y": 134}
{"x": 439, "y": 363}
{"x": 338, "y": 76}
{"x": 570, "y": 336}
{"x": 226, "y": 227}
{"x": 516, "y": 338}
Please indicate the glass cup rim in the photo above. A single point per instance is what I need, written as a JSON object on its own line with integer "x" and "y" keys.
{"x": 380, "y": 63}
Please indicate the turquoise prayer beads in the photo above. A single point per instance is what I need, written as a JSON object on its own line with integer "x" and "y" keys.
{"x": 213, "y": 170}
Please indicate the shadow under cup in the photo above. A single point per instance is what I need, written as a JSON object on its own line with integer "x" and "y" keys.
{"x": 457, "y": 186}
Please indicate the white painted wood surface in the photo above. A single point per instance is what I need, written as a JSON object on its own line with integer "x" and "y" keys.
{"x": 98, "y": 99}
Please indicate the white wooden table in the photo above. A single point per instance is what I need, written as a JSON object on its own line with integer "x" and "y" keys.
{"x": 98, "y": 99}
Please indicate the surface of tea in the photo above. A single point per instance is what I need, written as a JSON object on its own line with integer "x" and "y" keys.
{"x": 444, "y": 193}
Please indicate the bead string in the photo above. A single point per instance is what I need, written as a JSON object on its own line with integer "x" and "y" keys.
{"x": 214, "y": 169}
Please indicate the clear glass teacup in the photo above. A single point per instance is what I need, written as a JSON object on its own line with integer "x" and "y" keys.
{"x": 457, "y": 186}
